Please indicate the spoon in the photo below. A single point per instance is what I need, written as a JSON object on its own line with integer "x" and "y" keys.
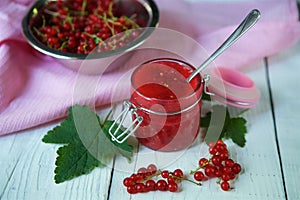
{"x": 245, "y": 25}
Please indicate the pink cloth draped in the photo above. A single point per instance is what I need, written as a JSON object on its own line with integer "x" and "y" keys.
{"x": 36, "y": 89}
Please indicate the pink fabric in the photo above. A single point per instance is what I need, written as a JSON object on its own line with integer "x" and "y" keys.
{"x": 35, "y": 89}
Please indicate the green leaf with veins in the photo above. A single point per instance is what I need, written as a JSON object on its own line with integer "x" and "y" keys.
{"x": 234, "y": 127}
{"x": 64, "y": 133}
{"x": 236, "y": 130}
{"x": 74, "y": 160}
{"x": 87, "y": 144}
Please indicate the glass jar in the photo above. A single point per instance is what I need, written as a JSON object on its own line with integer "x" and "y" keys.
{"x": 169, "y": 105}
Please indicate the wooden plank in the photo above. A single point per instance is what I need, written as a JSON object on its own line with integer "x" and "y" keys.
{"x": 261, "y": 179}
{"x": 284, "y": 77}
{"x": 27, "y": 167}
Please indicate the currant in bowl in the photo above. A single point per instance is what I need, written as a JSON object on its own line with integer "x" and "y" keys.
{"x": 76, "y": 30}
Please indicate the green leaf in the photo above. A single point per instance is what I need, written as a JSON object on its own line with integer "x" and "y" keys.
{"x": 205, "y": 97}
{"x": 233, "y": 127}
{"x": 205, "y": 121}
{"x": 96, "y": 138}
{"x": 87, "y": 144}
{"x": 124, "y": 149}
{"x": 73, "y": 160}
{"x": 64, "y": 133}
{"x": 237, "y": 130}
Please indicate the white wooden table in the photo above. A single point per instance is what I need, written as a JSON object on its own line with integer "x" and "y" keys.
{"x": 270, "y": 159}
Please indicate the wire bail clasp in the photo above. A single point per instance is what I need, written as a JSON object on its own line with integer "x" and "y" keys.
{"x": 128, "y": 108}
{"x": 205, "y": 80}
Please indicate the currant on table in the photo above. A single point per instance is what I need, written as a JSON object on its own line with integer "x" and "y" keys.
{"x": 142, "y": 181}
{"x": 219, "y": 165}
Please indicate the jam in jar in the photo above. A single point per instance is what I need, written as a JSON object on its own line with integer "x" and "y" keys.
{"x": 170, "y": 106}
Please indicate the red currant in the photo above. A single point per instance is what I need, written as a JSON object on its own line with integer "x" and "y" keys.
{"x": 225, "y": 177}
{"x": 165, "y": 174}
{"x": 224, "y": 155}
{"x": 171, "y": 180}
{"x": 140, "y": 187}
{"x": 150, "y": 185}
{"x": 162, "y": 185}
{"x": 202, "y": 162}
{"x": 236, "y": 168}
{"x": 213, "y": 151}
{"x": 227, "y": 170}
{"x": 199, "y": 176}
{"x": 135, "y": 34}
{"x": 221, "y": 142}
{"x": 128, "y": 182}
{"x": 211, "y": 144}
{"x": 131, "y": 189}
{"x": 178, "y": 173}
{"x": 216, "y": 160}
{"x": 218, "y": 173}
{"x": 231, "y": 176}
{"x": 229, "y": 163}
{"x": 172, "y": 187}
{"x": 152, "y": 168}
{"x": 225, "y": 186}
{"x": 210, "y": 170}
{"x": 139, "y": 177}
{"x": 142, "y": 170}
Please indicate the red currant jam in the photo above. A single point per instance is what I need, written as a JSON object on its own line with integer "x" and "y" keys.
{"x": 169, "y": 105}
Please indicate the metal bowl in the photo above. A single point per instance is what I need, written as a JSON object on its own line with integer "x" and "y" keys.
{"x": 95, "y": 63}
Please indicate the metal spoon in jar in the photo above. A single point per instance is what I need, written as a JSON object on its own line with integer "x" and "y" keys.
{"x": 246, "y": 24}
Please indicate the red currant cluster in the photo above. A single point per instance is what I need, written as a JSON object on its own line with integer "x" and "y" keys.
{"x": 82, "y": 26}
{"x": 219, "y": 165}
{"x": 142, "y": 181}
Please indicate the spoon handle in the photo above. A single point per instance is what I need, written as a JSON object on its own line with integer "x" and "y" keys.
{"x": 245, "y": 25}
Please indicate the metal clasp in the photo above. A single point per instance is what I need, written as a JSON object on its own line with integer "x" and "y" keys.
{"x": 205, "y": 80}
{"x": 119, "y": 122}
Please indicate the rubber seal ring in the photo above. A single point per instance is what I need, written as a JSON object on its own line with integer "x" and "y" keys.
{"x": 234, "y": 86}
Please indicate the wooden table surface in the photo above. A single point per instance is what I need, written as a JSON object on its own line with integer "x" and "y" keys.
{"x": 270, "y": 160}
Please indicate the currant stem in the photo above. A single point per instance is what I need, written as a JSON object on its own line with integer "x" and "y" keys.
{"x": 153, "y": 175}
{"x": 194, "y": 171}
{"x": 131, "y": 20}
{"x": 63, "y": 45}
{"x": 201, "y": 167}
{"x": 44, "y": 21}
{"x": 84, "y": 3}
{"x": 186, "y": 179}
{"x": 69, "y": 20}
{"x": 110, "y": 13}
{"x": 95, "y": 37}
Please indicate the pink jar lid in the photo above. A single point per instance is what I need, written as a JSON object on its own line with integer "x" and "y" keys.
{"x": 233, "y": 87}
